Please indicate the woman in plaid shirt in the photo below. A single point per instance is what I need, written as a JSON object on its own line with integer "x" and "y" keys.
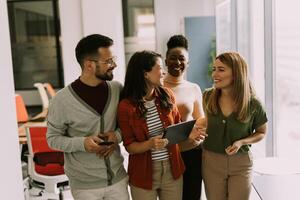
{"x": 155, "y": 169}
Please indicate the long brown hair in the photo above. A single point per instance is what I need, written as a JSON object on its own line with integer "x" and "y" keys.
{"x": 135, "y": 86}
{"x": 242, "y": 89}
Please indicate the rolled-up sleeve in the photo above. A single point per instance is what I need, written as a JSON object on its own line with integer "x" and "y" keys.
{"x": 260, "y": 115}
{"x": 125, "y": 124}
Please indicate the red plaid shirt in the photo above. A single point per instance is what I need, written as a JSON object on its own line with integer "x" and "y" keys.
{"x": 134, "y": 129}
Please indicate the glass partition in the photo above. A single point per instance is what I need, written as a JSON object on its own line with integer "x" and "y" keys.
{"x": 34, "y": 30}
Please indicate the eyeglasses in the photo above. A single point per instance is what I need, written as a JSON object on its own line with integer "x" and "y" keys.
{"x": 108, "y": 62}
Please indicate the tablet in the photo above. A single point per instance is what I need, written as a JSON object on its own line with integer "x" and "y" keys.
{"x": 178, "y": 132}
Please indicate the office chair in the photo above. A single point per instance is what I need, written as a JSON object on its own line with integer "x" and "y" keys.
{"x": 22, "y": 115}
{"x": 50, "y": 90}
{"x": 45, "y": 165}
{"x": 43, "y": 95}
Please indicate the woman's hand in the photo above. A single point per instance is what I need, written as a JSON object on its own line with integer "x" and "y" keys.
{"x": 157, "y": 143}
{"x": 201, "y": 122}
{"x": 234, "y": 148}
{"x": 198, "y": 133}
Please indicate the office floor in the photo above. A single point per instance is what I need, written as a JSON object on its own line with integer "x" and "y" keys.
{"x": 67, "y": 195}
{"x": 253, "y": 195}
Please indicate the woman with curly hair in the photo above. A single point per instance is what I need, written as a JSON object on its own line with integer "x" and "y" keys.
{"x": 189, "y": 102}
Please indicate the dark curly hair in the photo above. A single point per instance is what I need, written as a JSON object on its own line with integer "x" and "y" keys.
{"x": 177, "y": 41}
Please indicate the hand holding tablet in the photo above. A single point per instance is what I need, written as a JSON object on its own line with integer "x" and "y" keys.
{"x": 178, "y": 132}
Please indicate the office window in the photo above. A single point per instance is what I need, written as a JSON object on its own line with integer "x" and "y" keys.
{"x": 224, "y": 25}
{"x": 34, "y": 32}
{"x": 287, "y": 73}
{"x": 256, "y": 61}
{"x": 139, "y": 26}
{"x": 243, "y": 29}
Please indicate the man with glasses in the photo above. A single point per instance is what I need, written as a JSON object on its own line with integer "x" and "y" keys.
{"x": 82, "y": 124}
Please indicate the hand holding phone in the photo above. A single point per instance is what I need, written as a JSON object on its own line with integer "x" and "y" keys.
{"x": 106, "y": 143}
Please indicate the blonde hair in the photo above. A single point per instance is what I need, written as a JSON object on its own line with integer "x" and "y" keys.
{"x": 242, "y": 89}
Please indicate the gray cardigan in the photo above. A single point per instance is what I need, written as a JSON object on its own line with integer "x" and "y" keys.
{"x": 69, "y": 121}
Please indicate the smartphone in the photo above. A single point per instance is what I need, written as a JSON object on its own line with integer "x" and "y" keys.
{"x": 106, "y": 143}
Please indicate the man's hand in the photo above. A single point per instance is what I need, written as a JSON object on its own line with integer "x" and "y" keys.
{"x": 107, "y": 150}
{"x": 91, "y": 144}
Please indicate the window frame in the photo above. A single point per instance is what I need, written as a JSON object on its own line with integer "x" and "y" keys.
{"x": 57, "y": 34}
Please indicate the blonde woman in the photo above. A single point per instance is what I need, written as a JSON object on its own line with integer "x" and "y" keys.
{"x": 235, "y": 120}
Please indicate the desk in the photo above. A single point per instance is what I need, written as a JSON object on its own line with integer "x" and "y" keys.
{"x": 42, "y": 115}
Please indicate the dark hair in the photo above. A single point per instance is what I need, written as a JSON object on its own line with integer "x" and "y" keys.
{"x": 177, "y": 41}
{"x": 135, "y": 87}
{"x": 89, "y": 45}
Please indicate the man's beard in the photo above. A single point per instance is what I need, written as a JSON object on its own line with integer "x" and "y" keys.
{"x": 105, "y": 77}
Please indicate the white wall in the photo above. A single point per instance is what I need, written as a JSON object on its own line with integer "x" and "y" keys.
{"x": 105, "y": 17}
{"x": 169, "y": 17}
{"x": 80, "y": 18}
{"x": 71, "y": 33}
{"x": 10, "y": 168}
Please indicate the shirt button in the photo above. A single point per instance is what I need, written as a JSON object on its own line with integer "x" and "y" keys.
{"x": 223, "y": 121}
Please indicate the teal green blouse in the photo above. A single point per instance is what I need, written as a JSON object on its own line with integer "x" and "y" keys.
{"x": 224, "y": 131}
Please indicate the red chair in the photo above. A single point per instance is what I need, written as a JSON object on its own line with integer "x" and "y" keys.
{"x": 45, "y": 165}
